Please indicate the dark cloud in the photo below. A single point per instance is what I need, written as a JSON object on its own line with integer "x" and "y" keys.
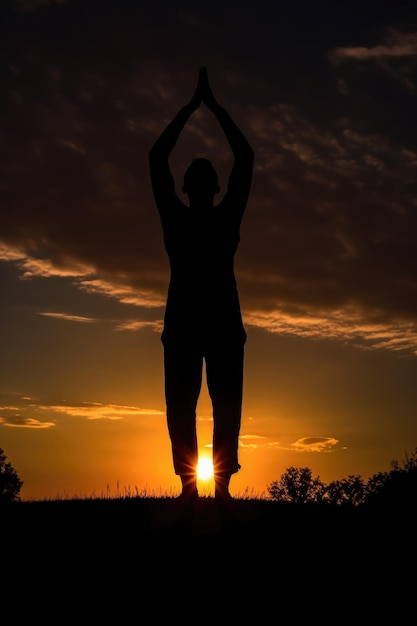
{"x": 326, "y": 99}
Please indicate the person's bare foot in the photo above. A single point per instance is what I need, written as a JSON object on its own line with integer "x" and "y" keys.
{"x": 188, "y": 495}
{"x": 221, "y": 487}
{"x": 223, "y": 497}
{"x": 189, "y": 490}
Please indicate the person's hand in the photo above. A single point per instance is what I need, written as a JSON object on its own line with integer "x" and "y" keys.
{"x": 207, "y": 94}
{"x": 197, "y": 96}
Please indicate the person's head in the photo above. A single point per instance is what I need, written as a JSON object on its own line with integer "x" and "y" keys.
{"x": 200, "y": 180}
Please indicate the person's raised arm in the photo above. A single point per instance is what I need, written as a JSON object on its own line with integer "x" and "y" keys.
{"x": 241, "y": 175}
{"x": 161, "y": 177}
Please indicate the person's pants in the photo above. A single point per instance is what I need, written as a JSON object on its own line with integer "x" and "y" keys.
{"x": 183, "y": 377}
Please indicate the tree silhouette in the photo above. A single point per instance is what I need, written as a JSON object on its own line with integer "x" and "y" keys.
{"x": 10, "y": 483}
{"x": 398, "y": 486}
{"x": 350, "y": 490}
{"x": 298, "y": 486}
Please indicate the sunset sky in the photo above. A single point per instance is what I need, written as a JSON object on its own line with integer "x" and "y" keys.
{"x": 327, "y": 264}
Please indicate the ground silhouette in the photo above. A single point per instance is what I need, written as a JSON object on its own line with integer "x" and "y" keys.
{"x": 112, "y": 558}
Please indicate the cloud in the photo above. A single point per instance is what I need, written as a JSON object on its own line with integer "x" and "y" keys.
{"x": 398, "y": 45}
{"x": 124, "y": 293}
{"x": 139, "y": 324}
{"x": 315, "y": 444}
{"x": 395, "y": 57}
{"x": 304, "y": 444}
{"x": 68, "y": 317}
{"x": 97, "y": 410}
{"x": 330, "y": 234}
{"x": 30, "y": 266}
{"x": 20, "y": 413}
{"x": 330, "y": 223}
{"x": 25, "y": 422}
{"x": 349, "y": 325}
{"x": 16, "y": 411}
{"x": 252, "y": 442}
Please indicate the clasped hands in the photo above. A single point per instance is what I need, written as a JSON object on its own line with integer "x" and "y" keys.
{"x": 203, "y": 93}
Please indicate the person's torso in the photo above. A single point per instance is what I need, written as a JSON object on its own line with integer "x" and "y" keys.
{"x": 202, "y": 294}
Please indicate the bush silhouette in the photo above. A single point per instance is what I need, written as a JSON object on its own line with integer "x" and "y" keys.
{"x": 10, "y": 483}
{"x": 350, "y": 490}
{"x": 297, "y": 486}
{"x": 396, "y": 487}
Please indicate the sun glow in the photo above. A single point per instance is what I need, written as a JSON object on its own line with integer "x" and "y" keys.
{"x": 204, "y": 468}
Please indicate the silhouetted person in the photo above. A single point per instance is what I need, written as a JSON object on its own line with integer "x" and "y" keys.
{"x": 202, "y": 317}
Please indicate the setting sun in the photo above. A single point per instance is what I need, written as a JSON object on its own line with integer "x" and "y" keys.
{"x": 205, "y": 468}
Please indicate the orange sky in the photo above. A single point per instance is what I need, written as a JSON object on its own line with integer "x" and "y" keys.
{"x": 310, "y": 405}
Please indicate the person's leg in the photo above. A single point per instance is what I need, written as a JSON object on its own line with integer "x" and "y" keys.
{"x": 183, "y": 373}
{"x": 224, "y": 369}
